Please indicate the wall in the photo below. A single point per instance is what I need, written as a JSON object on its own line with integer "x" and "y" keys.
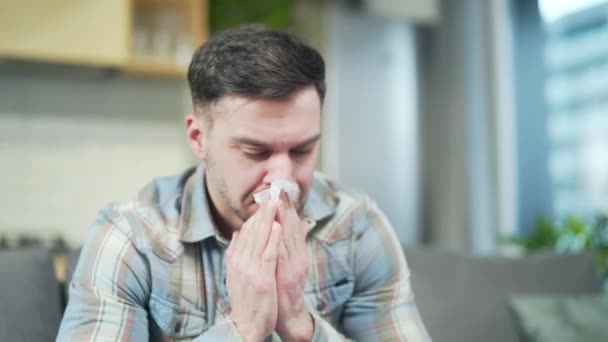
{"x": 73, "y": 139}
{"x": 468, "y": 142}
{"x": 534, "y": 184}
{"x": 370, "y": 132}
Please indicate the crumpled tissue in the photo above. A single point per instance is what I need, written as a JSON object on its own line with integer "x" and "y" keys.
{"x": 291, "y": 189}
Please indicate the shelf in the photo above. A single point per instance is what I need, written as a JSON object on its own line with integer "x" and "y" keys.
{"x": 152, "y": 68}
{"x": 101, "y": 33}
{"x": 163, "y": 3}
{"x": 93, "y": 32}
{"x": 187, "y": 18}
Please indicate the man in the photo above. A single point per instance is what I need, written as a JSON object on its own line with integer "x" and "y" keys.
{"x": 194, "y": 257}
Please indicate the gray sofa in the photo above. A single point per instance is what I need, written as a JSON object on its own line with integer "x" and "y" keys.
{"x": 464, "y": 298}
{"x": 460, "y": 297}
{"x": 30, "y": 296}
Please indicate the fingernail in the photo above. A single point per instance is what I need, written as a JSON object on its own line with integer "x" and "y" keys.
{"x": 284, "y": 198}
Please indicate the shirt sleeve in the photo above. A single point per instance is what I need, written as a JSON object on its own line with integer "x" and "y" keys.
{"x": 382, "y": 307}
{"x": 109, "y": 289}
{"x": 323, "y": 331}
{"x": 223, "y": 331}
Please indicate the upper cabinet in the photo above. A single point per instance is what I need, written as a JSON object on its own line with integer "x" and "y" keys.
{"x": 149, "y": 37}
{"x": 72, "y": 31}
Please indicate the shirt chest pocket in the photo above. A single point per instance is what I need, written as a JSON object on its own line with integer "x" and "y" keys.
{"x": 328, "y": 299}
{"x": 177, "y": 322}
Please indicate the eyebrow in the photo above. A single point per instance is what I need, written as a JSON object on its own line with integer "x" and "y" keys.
{"x": 262, "y": 145}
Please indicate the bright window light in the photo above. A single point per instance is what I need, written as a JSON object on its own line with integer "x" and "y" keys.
{"x": 552, "y": 10}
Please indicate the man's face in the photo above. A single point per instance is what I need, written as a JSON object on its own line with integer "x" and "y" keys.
{"x": 254, "y": 142}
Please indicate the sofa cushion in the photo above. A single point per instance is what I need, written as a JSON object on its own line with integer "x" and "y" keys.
{"x": 562, "y": 318}
{"x": 30, "y": 308}
{"x": 465, "y": 298}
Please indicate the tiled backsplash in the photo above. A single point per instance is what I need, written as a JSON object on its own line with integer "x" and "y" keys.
{"x": 73, "y": 139}
{"x": 58, "y": 171}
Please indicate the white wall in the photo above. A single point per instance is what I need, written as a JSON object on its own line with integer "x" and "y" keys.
{"x": 69, "y": 145}
{"x": 468, "y": 127}
{"x": 417, "y": 11}
{"x": 370, "y": 123}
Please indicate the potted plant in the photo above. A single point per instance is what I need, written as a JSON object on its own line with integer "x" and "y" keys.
{"x": 571, "y": 234}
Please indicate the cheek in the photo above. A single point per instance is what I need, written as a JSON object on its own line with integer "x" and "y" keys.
{"x": 304, "y": 175}
{"x": 308, "y": 166}
{"x": 237, "y": 177}
{"x": 249, "y": 181}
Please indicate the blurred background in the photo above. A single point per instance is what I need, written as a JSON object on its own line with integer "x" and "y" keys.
{"x": 479, "y": 126}
{"x": 468, "y": 121}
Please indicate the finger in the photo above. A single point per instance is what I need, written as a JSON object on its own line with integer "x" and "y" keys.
{"x": 298, "y": 240}
{"x": 256, "y": 216}
{"x": 232, "y": 243}
{"x": 270, "y": 254}
{"x": 303, "y": 231}
{"x": 283, "y": 257}
{"x": 290, "y": 221}
{"x": 261, "y": 226}
{"x": 285, "y": 207}
{"x": 270, "y": 211}
{"x": 252, "y": 234}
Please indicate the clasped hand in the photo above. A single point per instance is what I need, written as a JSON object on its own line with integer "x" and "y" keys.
{"x": 266, "y": 265}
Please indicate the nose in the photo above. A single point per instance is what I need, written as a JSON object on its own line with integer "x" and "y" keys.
{"x": 280, "y": 166}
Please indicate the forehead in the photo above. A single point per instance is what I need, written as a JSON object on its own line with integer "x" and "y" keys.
{"x": 269, "y": 120}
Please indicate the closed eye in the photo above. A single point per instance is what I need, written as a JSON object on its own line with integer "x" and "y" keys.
{"x": 301, "y": 153}
{"x": 256, "y": 155}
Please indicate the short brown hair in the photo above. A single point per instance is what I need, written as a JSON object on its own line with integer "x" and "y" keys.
{"x": 255, "y": 62}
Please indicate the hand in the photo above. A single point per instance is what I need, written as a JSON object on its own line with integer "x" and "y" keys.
{"x": 251, "y": 260}
{"x": 293, "y": 322}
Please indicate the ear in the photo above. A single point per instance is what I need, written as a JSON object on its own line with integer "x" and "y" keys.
{"x": 196, "y": 134}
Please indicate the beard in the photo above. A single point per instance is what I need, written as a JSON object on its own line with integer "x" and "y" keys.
{"x": 224, "y": 198}
{"x": 220, "y": 186}
{"x": 225, "y": 202}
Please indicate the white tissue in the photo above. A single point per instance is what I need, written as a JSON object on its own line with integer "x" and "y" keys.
{"x": 291, "y": 189}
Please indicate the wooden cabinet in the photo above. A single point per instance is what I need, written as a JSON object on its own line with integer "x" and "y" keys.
{"x": 72, "y": 31}
{"x": 105, "y": 33}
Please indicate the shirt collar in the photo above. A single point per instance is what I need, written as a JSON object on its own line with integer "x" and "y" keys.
{"x": 196, "y": 222}
{"x": 322, "y": 199}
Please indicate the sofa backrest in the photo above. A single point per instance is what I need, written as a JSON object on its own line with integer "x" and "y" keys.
{"x": 30, "y": 301}
{"x": 464, "y": 297}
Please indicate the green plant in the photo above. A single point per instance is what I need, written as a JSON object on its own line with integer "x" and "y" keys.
{"x": 225, "y": 14}
{"x": 544, "y": 236}
{"x": 571, "y": 234}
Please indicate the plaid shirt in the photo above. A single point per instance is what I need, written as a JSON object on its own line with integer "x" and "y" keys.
{"x": 153, "y": 269}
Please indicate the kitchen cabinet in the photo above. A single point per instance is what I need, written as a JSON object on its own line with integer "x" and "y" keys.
{"x": 143, "y": 37}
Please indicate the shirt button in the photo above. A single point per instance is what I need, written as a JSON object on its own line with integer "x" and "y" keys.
{"x": 178, "y": 327}
{"x": 320, "y": 306}
{"x": 310, "y": 222}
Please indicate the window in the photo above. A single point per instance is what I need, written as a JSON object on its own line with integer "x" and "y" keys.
{"x": 576, "y": 91}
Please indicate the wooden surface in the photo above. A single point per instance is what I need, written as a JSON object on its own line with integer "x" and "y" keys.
{"x": 60, "y": 263}
{"x": 92, "y": 32}
{"x": 199, "y": 10}
{"x": 152, "y": 68}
